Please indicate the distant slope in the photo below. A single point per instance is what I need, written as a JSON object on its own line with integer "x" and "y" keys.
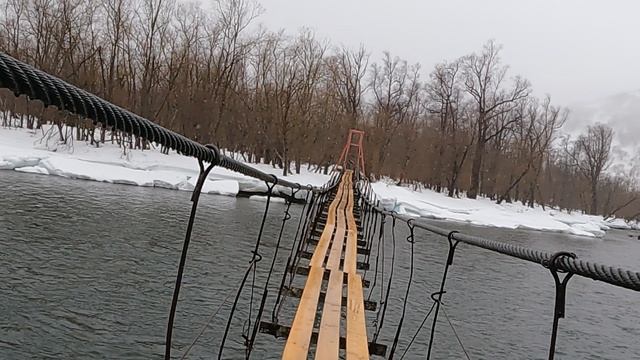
{"x": 621, "y": 112}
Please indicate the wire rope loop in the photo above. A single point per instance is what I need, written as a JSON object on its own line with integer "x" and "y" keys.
{"x": 294, "y": 192}
{"x": 216, "y": 153}
{"x": 245, "y": 331}
{"x": 257, "y": 257}
{"x": 552, "y": 262}
{"x": 275, "y": 180}
{"x": 411, "y": 225}
{"x": 433, "y": 295}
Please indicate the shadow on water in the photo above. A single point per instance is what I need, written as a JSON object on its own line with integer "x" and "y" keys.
{"x": 88, "y": 271}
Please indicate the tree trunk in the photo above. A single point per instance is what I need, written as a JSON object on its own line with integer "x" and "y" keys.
{"x": 594, "y": 197}
{"x": 453, "y": 183}
{"x": 60, "y": 132}
{"x": 475, "y": 170}
{"x": 439, "y": 165}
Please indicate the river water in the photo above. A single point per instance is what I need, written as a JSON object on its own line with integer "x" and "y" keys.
{"x": 87, "y": 271}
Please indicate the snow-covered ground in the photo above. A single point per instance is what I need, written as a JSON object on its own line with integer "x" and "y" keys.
{"x": 26, "y": 151}
{"x": 484, "y": 212}
{"x": 22, "y": 150}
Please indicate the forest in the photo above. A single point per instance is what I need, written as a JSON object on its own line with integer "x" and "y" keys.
{"x": 466, "y": 127}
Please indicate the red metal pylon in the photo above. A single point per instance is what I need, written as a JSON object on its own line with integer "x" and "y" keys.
{"x": 346, "y": 151}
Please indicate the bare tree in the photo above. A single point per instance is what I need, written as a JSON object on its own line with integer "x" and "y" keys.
{"x": 532, "y": 140}
{"x": 291, "y": 99}
{"x": 396, "y": 88}
{"x": 484, "y": 82}
{"x": 348, "y": 69}
{"x": 590, "y": 154}
{"x": 445, "y": 100}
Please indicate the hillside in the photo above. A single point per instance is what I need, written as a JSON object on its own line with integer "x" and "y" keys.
{"x": 620, "y": 111}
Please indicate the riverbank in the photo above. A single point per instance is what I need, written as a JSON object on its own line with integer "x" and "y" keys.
{"x": 485, "y": 212}
{"x": 34, "y": 151}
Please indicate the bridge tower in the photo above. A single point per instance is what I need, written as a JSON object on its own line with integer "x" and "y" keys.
{"x": 353, "y": 159}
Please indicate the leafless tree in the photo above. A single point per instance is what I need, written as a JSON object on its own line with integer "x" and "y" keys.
{"x": 590, "y": 154}
{"x": 290, "y": 99}
{"x": 396, "y": 89}
{"x": 484, "y": 81}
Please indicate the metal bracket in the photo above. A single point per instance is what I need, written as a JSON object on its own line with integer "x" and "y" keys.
{"x": 453, "y": 244}
{"x": 195, "y": 197}
{"x": 561, "y": 294}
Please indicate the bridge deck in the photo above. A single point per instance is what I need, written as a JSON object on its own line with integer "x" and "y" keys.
{"x": 340, "y": 230}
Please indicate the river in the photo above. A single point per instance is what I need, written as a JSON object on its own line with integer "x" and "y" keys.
{"x": 87, "y": 271}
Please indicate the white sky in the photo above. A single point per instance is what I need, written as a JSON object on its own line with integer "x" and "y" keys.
{"x": 575, "y": 50}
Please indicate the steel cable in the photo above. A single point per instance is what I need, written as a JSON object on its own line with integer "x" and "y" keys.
{"x": 255, "y": 258}
{"x": 24, "y": 79}
{"x": 389, "y": 282}
{"x": 411, "y": 240}
{"x": 609, "y": 274}
{"x": 265, "y": 290}
{"x": 276, "y": 307}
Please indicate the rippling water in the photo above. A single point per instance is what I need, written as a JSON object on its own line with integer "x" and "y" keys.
{"x": 87, "y": 270}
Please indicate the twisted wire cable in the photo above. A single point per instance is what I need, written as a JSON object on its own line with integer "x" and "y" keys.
{"x": 606, "y": 273}
{"x": 24, "y": 79}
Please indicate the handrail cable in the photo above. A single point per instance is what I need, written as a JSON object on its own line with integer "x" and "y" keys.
{"x": 609, "y": 274}
{"x": 24, "y": 79}
{"x": 559, "y": 262}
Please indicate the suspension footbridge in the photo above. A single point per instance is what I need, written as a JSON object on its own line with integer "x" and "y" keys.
{"x": 330, "y": 249}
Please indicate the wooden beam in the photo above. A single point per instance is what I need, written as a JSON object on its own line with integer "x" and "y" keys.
{"x": 297, "y": 293}
{"x": 329, "y": 335}
{"x": 351, "y": 252}
{"x": 360, "y": 265}
{"x": 338, "y": 238}
{"x": 327, "y": 233}
{"x": 301, "y": 270}
{"x": 299, "y": 338}
{"x": 357, "y": 345}
{"x": 282, "y": 331}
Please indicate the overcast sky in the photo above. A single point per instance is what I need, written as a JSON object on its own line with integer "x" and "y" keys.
{"x": 574, "y": 50}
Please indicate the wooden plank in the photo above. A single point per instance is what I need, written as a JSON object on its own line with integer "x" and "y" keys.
{"x": 350, "y": 255}
{"x": 327, "y": 232}
{"x": 319, "y": 254}
{"x": 359, "y": 264}
{"x": 357, "y": 345}
{"x": 305, "y": 271}
{"x": 336, "y": 247}
{"x": 351, "y": 252}
{"x": 297, "y": 293}
{"x": 338, "y": 242}
{"x": 299, "y": 338}
{"x": 338, "y": 239}
{"x": 340, "y": 219}
{"x": 362, "y": 249}
{"x": 329, "y": 335}
{"x": 282, "y": 331}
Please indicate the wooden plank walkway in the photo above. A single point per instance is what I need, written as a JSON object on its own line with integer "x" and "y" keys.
{"x": 339, "y": 239}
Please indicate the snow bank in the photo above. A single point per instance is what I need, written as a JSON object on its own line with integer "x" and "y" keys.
{"x": 485, "y": 212}
{"x": 22, "y": 150}
{"x": 26, "y": 151}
